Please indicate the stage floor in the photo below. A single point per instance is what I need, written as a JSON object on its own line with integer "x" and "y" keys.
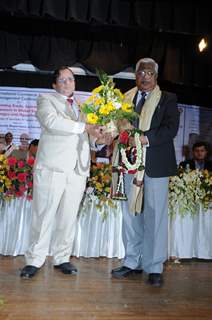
{"x": 93, "y": 294}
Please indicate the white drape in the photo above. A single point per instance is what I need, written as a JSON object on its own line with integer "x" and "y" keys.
{"x": 95, "y": 236}
{"x": 189, "y": 236}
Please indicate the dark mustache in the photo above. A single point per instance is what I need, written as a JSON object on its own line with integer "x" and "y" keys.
{"x": 145, "y": 81}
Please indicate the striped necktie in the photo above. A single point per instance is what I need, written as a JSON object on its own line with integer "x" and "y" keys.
{"x": 139, "y": 106}
{"x": 140, "y": 103}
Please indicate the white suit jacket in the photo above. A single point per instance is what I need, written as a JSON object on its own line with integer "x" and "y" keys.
{"x": 63, "y": 144}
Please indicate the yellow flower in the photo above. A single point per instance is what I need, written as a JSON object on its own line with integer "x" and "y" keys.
{"x": 126, "y": 107}
{"x": 105, "y": 109}
{"x": 98, "y": 89}
{"x": 2, "y": 157}
{"x": 90, "y": 99}
{"x": 118, "y": 92}
{"x": 110, "y": 106}
{"x": 98, "y": 101}
{"x": 92, "y": 118}
{"x": 8, "y": 183}
{"x": 98, "y": 186}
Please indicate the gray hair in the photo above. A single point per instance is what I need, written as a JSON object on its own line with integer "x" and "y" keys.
{"x": 147, "y": 60}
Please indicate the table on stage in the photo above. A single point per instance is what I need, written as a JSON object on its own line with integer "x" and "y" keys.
{"x": 189, "y": 236}
{"x": 95, "y": 235}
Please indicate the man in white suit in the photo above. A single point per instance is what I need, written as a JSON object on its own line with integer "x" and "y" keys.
{"x": 60, "y": 172}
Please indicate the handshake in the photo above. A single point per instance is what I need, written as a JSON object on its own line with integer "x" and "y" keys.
{"x": 99, "y": 132}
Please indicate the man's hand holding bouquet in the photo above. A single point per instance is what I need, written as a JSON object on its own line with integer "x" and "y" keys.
{"x": 107, "y": 107}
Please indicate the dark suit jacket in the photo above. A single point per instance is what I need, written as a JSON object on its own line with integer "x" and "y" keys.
{"x": 160, "y": 156}
{"x": 191, "y": 164}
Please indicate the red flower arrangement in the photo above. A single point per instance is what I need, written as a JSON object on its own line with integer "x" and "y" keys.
{"x": 21, "y": 178}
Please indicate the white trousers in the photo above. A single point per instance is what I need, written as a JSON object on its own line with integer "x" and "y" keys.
{"x": 56, "y": 201}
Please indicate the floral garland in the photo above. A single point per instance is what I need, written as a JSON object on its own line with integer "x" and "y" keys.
{"x": 130, "y": 162}
{"x": 127, "y": 152}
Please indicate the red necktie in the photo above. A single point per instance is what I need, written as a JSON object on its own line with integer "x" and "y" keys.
{"x": 70, "y": 101}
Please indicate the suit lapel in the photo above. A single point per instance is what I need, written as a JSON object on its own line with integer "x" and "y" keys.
{"x": 63, "y": 107}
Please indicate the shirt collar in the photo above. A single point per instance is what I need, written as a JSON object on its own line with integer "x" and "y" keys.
{"x": 65, "y": 97}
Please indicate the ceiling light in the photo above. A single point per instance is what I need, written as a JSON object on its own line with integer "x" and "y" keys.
{"x": 202, "y": 44}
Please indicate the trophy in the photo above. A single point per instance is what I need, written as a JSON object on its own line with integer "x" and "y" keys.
{"x": 120, "y": 189}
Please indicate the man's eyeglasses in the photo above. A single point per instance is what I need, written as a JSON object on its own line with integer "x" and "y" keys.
{"x": 144, "y": 73}
{"x": 64, "y": 80}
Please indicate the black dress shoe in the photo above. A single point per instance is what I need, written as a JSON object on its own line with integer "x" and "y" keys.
{"x": 28, "y": 272}
{"x": 123, "y": 272}
{"x": 67, "y": 268}
{"x": 155, "y": 279}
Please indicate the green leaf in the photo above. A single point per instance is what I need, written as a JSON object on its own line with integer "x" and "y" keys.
{"x": 103, "y": 77}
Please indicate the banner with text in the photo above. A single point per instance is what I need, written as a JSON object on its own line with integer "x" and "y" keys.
{"x": 18, "y": 107}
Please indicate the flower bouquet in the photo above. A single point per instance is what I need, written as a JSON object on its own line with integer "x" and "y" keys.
{"x": 106, "y": 106}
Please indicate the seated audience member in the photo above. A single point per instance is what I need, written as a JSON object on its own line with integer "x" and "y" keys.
{"x": 104, "y": 154}
{"x": 33, "y": 146}
{"x": 24, "y": 142}
{"x": 20, "y": 154}
{"x": 2, "y": 143}
{"x": 9, "y": 145}
{"x": 103, "y": 150}
{"x": 21, "y": 151}
{"x": 199, "y": 160}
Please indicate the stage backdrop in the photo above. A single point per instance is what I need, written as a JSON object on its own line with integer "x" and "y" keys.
{"x": 18, "y": 106}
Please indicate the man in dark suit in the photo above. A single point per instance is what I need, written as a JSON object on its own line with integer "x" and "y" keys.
{"x": 145, "y": 233}
{"x": 199, "y": 160}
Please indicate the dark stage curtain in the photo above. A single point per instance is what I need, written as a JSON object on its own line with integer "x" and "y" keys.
{"x": 110, "y": 34}
{"x": 190, "y": 17}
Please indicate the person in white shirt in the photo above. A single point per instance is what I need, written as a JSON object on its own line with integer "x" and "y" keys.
{"x": 2, "y": 143}
{"x": 24, "y": 142}
{"x": 9, "y": 145}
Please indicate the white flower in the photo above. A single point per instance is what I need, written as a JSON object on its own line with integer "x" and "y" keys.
{"x": 117, "y": 105}
{"x": 89, "y": 190}
{"x": 188, "y": 191}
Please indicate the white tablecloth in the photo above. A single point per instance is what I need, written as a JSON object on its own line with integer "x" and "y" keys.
{"x": 188, "y": 236}
{"x": 95, "y": 236}
{"x": 191, "y": 236}
{"x": 15, "y": 218}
